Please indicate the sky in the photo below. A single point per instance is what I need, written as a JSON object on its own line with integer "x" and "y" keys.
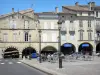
{"x": 38, "y": 5}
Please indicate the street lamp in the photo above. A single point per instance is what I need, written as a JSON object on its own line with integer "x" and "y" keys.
{"x": 39, "y": 31}
{"x": 39, "y": 45}
{"x": 59, "y": 44}
{"x": 30, "y": 46}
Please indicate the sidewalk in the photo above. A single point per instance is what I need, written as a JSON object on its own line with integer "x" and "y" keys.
{"x": 70, "y": 68}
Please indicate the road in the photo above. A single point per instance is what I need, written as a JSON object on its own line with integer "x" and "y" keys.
{"x": 14, "y": 67}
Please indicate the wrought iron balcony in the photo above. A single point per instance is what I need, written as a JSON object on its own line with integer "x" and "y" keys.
{"x": 72, "y": 30}
{"x": 63, "y": 30}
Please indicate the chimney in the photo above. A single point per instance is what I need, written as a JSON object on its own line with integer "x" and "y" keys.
{"x": 12, "y": 10}
{"x": 93, "y": 4}
{"x": 56, "y": 9}
{"x": 76, "y": 4}
{"x": 90, "y": 5}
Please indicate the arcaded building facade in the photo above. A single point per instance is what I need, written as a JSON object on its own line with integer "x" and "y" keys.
{"x": 26, "y": 30}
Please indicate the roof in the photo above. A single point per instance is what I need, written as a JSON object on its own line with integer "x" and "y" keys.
{"x": 21, "y": 12}
{"x": 66, "y": 13}
{"x": 77, "y": 8}
{"x": 46, "y": 13}
{"x": 97, "y": 8}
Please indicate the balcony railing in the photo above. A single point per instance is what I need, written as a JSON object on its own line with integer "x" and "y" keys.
{"x": 72, "y": 30}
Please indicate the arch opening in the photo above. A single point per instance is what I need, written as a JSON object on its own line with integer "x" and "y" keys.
{"x": 27, "y": 51}
{"x": 98, "y": 48}
{"x": 11, "y": 53}
{"x": 85, "y": 48}
{"x": 68, "y": 48}
{"x": 48, "y": 50}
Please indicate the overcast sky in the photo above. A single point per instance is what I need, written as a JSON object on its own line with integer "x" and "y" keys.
{"x": 38, "y": 5}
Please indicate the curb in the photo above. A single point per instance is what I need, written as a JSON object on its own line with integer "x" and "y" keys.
{"x": 37, "y": 68}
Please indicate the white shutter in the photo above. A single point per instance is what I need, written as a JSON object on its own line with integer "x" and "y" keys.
{"x": 45, "y": 25}
{"x": 44, "y": 37}
{"x": 26, "y": 24}
{"x": 54, "y": 37}
{"x": 72, "y": 37}
{"x": 5, "y": 37}
{"x": 52, "y": 25}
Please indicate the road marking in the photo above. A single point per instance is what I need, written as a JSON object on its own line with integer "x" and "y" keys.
{"x": 19, "y": 62}
{"x": 2, "y": 63}
{"x": 10, "y": 63}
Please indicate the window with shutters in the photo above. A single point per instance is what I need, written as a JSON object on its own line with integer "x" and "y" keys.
{"x": 45, "y": 25}
{"x": 52, "y": 25}
{"x": 26, "y": 24}
{"x": 5, "y": 37}
{"x": 54, "y": 37}
{"x": 26, "y": 36}
{"x": 89, "y": 35}
{"x": 89, "y": 23}
{"x": 81, "y": 35}
{"x": 80, "y": 23}
{"x": 13, "y": 24}
{"x": 44, "y": 37}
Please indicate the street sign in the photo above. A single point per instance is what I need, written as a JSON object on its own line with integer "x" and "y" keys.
{"x": 67, "y": 45}
{"x": 85, "y": 45}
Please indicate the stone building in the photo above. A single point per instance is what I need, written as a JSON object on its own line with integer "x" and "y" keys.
{"x": 18, "y": 32}
{"x": 25, "y": 30}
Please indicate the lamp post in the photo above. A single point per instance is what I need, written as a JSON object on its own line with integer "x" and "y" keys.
{"x": 39, "y": 31}
{"x": 30, "y": 46}
{"x": 39, "y": 45}
{"x": 59, "y": 44}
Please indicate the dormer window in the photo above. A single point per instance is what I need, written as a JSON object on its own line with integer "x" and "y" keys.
{"x": 22, "y": 17}
{"x": 26, "y": 24}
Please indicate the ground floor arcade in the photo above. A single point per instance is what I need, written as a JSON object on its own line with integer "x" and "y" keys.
{"x": 47, "y": 48}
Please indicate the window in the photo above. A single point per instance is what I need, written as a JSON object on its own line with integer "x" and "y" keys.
{"x": 14, "y": 36}
{"x": 5, "y": 37}
{"x": 89, "y": 23}
{"x": 44, "y": 37}
{"x": 13, "y": 24}
{"x": 80, "y": 23}
{"x": 45, "y": 25}
{"x": 96, "y": 13}
{"x": 81, "y": 35}
{"x": 89, "y": 35}
{"x": 26, "y": 36}
{"x": 54, "y": 37}
{"x": 52, "y": 25}
{"x": 26, "y": 25}
{"x": 22, "y": 17}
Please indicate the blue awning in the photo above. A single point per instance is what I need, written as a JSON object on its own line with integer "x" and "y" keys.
{"x": 67, "y": 45}
{"x": 85, "y": 45}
